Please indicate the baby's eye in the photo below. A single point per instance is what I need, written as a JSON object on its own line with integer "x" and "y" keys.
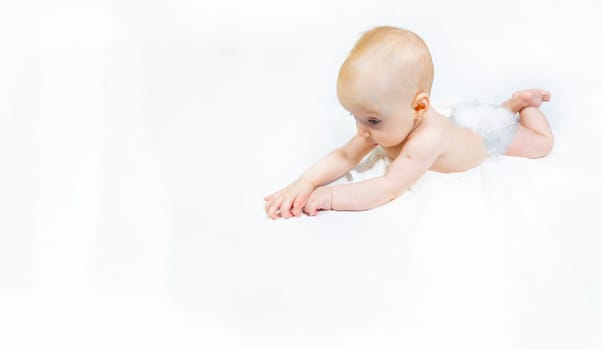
{"x": 374, "y": 121}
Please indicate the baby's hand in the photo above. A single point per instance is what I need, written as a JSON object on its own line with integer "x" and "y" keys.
{"x": 288, "y": 201}
{"x": 320, "y": 199}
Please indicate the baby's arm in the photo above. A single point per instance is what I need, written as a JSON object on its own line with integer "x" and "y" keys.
{"x": 290, "y": 200}
{"x": 416, "y": 158}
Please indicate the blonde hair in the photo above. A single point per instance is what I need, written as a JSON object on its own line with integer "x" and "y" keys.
{"x": 398, "y": 50}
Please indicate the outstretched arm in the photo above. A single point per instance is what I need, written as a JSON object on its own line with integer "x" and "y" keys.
{"x": 416, "y": 158}
{"x": 290, "y": 200}
{"x": 400, "y": 176}
{"x": 338, "y": 162}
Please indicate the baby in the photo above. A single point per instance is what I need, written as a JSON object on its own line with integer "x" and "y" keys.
{"x": 385, "y": 84}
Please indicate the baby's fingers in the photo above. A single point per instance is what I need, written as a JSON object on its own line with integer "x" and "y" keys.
{"x": 270, "y": 196}
{"x": 268, "y": 204}
{"x": 299, "y": 203}
{"x": 285, "y": 208}
{"x": 273, "y": 206}
{"x": 310, "y": 208}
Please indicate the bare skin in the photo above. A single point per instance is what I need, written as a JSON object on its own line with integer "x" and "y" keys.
{"x": 534, "y": 137}
{"x": 432, "y": 142}
{"x": 385, "y": 83}
{"x": 464, "y": 149}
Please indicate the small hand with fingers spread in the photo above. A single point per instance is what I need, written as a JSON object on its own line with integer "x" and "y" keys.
{"x": 289, "y": 201}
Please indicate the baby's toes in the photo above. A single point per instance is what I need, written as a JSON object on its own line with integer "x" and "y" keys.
{"x": 545, "y": 95}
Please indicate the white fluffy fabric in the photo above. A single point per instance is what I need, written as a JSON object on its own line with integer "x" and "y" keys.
{"x": 497, "y": 125}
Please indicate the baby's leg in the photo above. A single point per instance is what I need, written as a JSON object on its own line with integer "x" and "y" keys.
{"x": 533, "y": 138}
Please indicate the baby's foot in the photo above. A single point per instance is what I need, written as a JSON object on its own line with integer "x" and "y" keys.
{"x": 531, "y": 98}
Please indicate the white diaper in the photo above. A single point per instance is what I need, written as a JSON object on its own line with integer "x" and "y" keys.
{"x": 496, "y": 125}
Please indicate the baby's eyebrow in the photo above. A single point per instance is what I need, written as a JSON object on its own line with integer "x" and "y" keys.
{"x": 368, "y": 115}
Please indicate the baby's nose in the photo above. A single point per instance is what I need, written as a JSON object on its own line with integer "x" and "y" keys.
{"x": 363, "y": 133}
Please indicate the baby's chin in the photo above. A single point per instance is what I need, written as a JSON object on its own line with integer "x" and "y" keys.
{"x": 387, "y": 145}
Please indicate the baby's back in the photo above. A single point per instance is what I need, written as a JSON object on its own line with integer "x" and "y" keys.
{"x": 462, "y": 149}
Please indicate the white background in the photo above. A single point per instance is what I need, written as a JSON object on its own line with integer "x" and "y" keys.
{"x": 137, "y": 139}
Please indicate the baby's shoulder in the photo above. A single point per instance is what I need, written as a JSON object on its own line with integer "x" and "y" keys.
{"x": 431, "y": 128}
{"x": 429, "y": 135}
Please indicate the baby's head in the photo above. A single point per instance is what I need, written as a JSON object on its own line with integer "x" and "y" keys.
{"x": 385, "y": 83}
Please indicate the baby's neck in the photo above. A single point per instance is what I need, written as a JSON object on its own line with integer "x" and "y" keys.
{"x": 430, "y": 114}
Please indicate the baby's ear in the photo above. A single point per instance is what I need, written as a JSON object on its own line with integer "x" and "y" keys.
{"x": 421, "y": 102}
